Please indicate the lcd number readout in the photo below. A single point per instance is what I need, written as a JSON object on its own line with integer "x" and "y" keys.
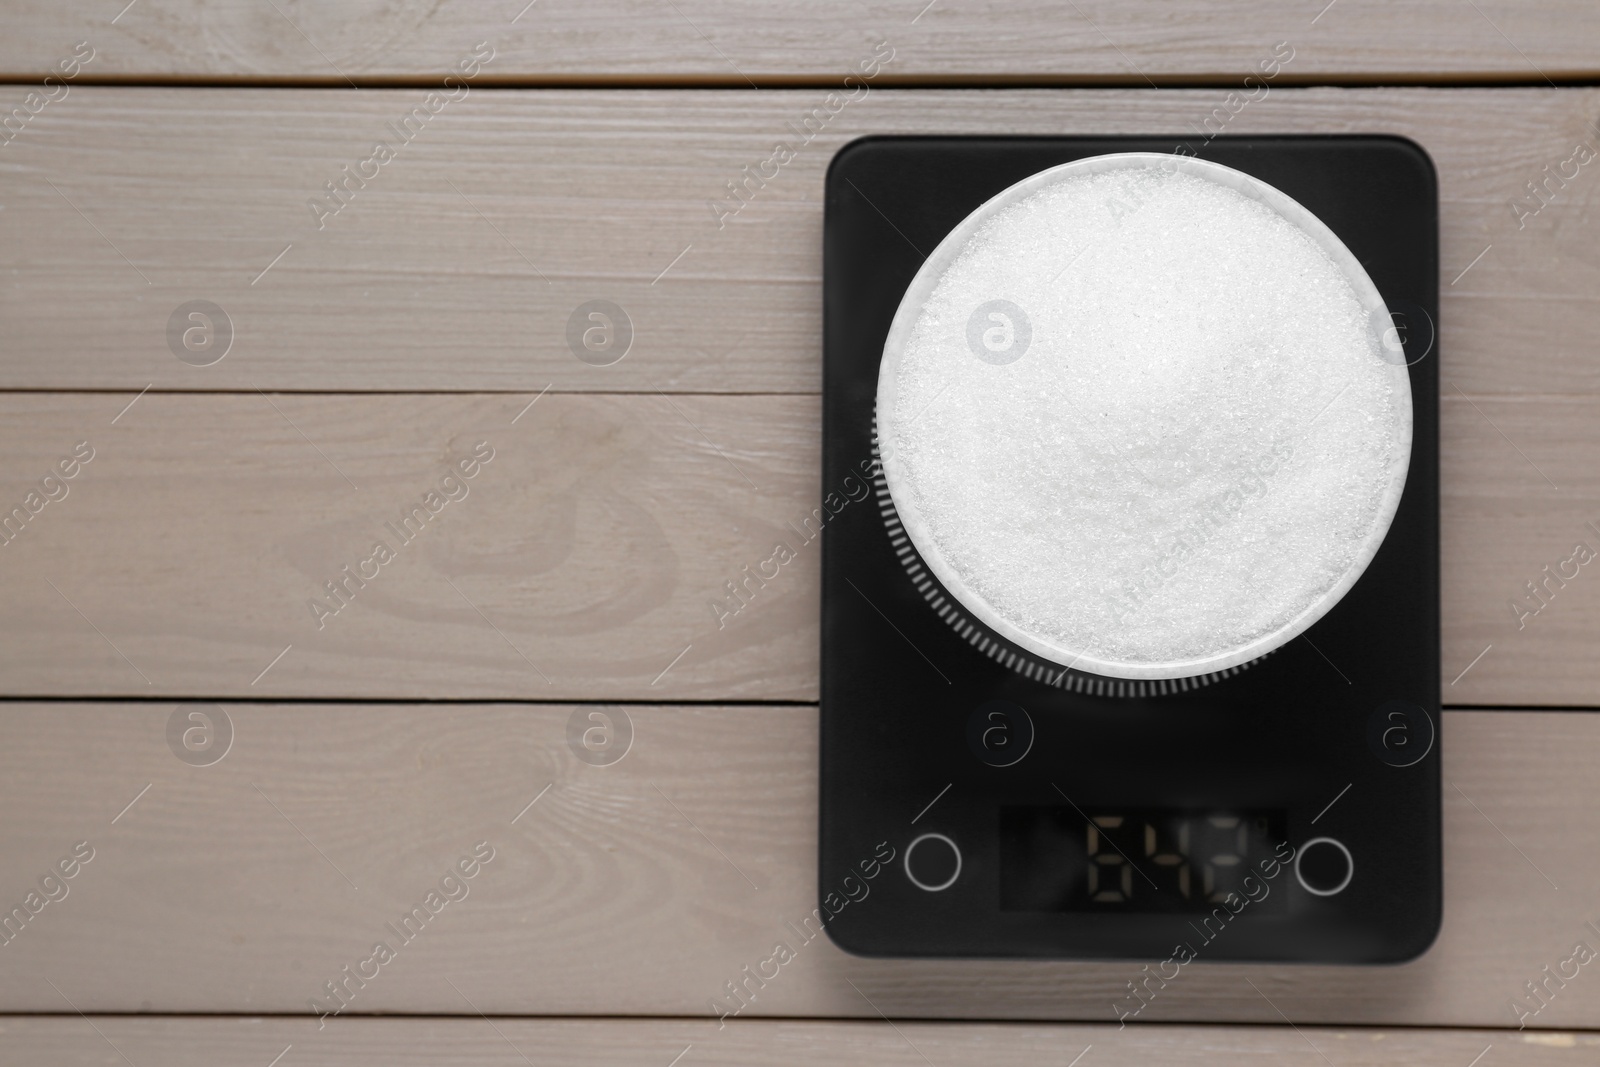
{"x": 1058, "y": 859}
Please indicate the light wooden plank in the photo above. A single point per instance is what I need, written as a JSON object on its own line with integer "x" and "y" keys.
{"x": 621, "y": 40}
{"x": 594, "y": 545}
{"x": 1520, "y": 494}
{"x": 81, "y": 1042}
{"x": 642, "y": 887}
{"x": 458, "y": 266}
{"x": 582, "y": 561}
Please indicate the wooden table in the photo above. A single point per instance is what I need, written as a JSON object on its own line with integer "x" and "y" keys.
{"x": 415, "y": 318}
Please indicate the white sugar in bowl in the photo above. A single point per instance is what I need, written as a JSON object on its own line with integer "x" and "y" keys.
{"x": 1138, "y": 416}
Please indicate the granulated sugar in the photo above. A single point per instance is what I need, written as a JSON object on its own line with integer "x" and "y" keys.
{"x": 1177, "y": 441}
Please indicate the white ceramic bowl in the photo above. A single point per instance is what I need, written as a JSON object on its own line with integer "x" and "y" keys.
{"x": 1229, "y": 651}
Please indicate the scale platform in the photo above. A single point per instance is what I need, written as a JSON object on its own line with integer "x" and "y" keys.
{"x": 1283, "y": 811}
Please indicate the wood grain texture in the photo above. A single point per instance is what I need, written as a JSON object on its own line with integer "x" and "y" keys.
{"x": 457, "y": 267}
{"x": 587, "y": 554}
{"x": 581, "y": 563}
{"x": 715, "y": 40}
{"x": 74, "y": 1042}
{"x": 642, "y": 887}
{"x": 1500, "y": 533}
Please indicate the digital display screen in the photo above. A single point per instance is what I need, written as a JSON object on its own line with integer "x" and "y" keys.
{"x": 1125, "y": 860}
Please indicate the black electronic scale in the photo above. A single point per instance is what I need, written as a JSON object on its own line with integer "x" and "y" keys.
{"x": 1285, "y": 811}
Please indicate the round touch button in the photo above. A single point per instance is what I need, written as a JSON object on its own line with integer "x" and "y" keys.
{"x": 1324, "y": 866}
{"x": 999, "y": 732}
{"x": 933, "y": 862}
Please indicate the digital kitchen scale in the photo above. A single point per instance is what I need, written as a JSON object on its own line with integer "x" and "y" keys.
{"x": 1286, "y": 810}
